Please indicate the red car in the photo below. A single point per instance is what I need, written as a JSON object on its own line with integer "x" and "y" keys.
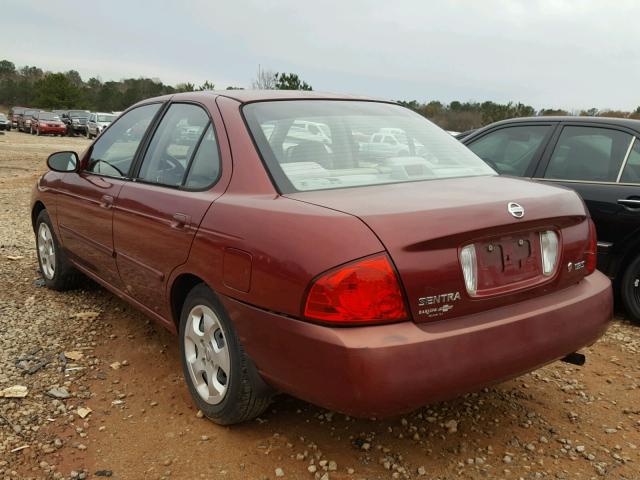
{"x": 47, "y": 123}
{"x": 287, "y": 261}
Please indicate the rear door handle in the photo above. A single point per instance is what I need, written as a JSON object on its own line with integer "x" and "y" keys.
{"x": 180, "y": 220}
{"x": 629, "y": 202}
{"x": 106, "y": 201}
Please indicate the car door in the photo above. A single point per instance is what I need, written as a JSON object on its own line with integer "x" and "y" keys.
{"x": 591, "y": 160}
{"x": 157, "y": 215}
{"x": 512, "y": 149}
{"x": 84, "y": 205}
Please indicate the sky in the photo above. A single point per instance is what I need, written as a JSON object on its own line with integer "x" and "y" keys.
{"x": 546, "y": 53}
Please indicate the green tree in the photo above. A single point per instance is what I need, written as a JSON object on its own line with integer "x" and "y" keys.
{"x": 290, "y": 81}
{"x": 207, "y": 85}
{"x": 55, "y": 90}
{"x": 7, "y": 69}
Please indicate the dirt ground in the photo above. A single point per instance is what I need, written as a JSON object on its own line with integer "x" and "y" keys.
{"x": 87, "y": 350}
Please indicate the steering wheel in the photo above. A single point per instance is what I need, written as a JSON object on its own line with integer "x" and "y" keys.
{"x": 110, "y": 166}
{"x": 175, "y": 165}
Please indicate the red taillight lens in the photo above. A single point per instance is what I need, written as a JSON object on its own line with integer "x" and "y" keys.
{"x": 361, "y": 292}
{"x": 591, "y": 254}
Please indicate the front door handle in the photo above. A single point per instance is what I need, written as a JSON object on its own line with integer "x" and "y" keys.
{"x": 106, "y": 201}
{"x": 180, "y": 220}
{"x": 629, "y": 202}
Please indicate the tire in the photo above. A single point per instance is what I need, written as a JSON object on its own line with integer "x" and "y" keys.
{"x": 58, "y": 274}
{"x": 239, "y": 394}
{"x": 630, "y": 290}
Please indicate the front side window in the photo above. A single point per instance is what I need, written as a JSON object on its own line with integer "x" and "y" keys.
{"x": 510, "y": 150}
{"x": 589, "y": 154}
{"x": 112, "y": 154}
{"x": 348, "y": 153}
{"x": 173, "y": 144}
{"x": 631, "y": 172}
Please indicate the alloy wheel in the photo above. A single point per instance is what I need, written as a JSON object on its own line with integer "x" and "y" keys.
{"x": 46, "y": 251}
{"x": 207, "y": 354}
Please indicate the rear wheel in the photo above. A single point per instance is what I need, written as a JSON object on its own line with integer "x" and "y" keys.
{"x": 221, "y": 377}
{"x": 630, "y": 290}
{"x": 57, "y": 271}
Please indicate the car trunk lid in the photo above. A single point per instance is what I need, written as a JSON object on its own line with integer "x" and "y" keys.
{"x": 425, "y": 225}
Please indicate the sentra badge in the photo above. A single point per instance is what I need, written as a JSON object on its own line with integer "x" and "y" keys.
{"x": 438, "y": 299}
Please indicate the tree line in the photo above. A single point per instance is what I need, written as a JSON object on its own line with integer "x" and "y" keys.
{"x": 32, "y": 86}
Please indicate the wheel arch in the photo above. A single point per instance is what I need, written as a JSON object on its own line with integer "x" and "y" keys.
{"x": 38, "y": 207}
{"x": 180, "y": 288}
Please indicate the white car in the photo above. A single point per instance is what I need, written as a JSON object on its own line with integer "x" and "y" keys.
{"x": 98, "y": 122}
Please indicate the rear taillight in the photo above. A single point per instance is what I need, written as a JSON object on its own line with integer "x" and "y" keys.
{"x": 591, "y": 254}
{"x": 469, "y": 264}
{"x": 364, "y": 291}
{"x": 549, "y": 250}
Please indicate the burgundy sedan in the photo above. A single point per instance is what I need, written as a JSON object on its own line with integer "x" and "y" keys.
{"x": 290, "y": 255}
{"x": 43, "y": 123}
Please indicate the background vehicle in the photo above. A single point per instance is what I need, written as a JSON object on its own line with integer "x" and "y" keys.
{"x": 75, "y": 121}
{"x": 14, "y": 113}
{"x": 386, "y": 282}
{"x": 5, "y": 123}
{"x": 596, "y": 156}
{"x": 98, "y": 122}
{"x": 47, "y": 123}
{"x": 24, "y": 119}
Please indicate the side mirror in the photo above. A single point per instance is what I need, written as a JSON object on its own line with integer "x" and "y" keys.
{"x": 63, "y": 162}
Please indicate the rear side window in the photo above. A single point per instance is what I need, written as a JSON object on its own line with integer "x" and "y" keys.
{"x": 173, "y": 145}
{"x": 112, "y": 154}
{"x": 589, "y": 154}
{"x": 205, "y": 167}
{"x": 631, "y": 172}
{"x": 511, "y": 150}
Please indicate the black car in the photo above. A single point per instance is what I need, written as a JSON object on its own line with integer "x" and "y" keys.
{"x": 596, "y": 156}
{"x": 75, "y": 121}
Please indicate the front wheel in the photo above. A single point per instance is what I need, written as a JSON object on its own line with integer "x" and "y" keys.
{"x": 630, "y": 290}
{"x": 57, "y": 271}
{"x": 220, "y": 376}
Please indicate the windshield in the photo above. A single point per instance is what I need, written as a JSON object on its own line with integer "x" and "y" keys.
{"x": 354, "y": 143}
{"x": 3, "y": 116}
{"x": 48, "y": 116}
{"x": 76, "y": 114}
{"x": 106, "y": 118}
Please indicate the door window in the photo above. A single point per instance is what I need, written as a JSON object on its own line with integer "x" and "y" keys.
{"x": 112, "y": 154}
{"x": 173, "y": 145}
{"x": 511, "y": 150}
{"x": 205, "y": 167}
{"x": 631, "y": 172}
{"x": 588, "y": 153}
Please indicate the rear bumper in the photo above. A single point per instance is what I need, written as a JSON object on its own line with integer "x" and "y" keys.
{"x": 391, "y": 369}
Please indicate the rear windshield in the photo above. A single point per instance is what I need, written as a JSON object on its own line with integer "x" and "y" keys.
{"x": 324, "y": 144}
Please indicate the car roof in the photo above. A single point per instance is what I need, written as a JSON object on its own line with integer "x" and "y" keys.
{"x": 624, "y": 122}
{"x": 248, "y": 96}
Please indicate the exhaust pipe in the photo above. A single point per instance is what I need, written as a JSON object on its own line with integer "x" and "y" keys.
{"x": 575, "y": 359}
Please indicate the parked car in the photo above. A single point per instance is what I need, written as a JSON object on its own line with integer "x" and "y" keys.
{"x": 600, "y": 159}
{"x": 5, "y": 123}
{"x": 47, "y": 123}
{"x": 98, "y": 122}
{"x": 24, "y": 119}
{"x": 277, "y": 262}
{"x": 75, "y": 121}
{"x": 14, "y": 113}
